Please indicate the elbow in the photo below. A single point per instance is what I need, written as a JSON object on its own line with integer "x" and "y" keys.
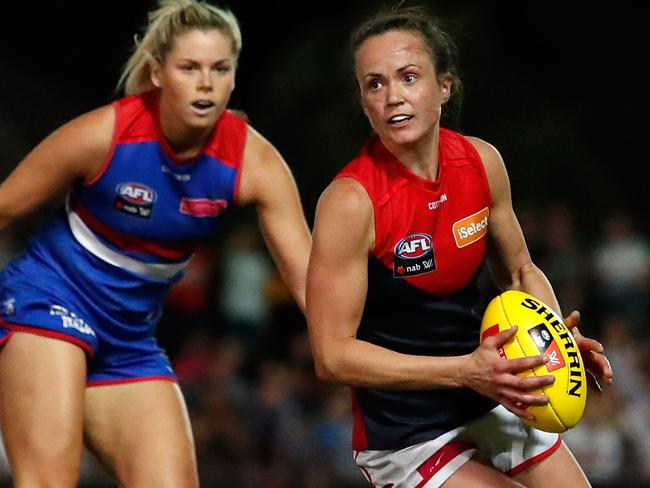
{"x": 323, "y": 373}
{"x": 522, "y": 275}
{"x": 514, "y": 279}
{"x": 328, "y": 369}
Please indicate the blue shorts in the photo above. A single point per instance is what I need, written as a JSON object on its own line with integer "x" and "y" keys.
{"x": 59, "y": 290}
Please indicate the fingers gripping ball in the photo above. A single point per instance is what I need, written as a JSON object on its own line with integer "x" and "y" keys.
{"x": 541, "y": 331}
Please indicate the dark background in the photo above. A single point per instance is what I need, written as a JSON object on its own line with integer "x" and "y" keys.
{"x": 559, "y": 88}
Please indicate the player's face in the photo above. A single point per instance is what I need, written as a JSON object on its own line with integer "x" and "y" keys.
{"x": 400, "y": 91}
{"x": 196, "y": 78}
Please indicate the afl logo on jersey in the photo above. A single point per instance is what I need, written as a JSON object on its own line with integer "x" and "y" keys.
{"x": 413, "y": 256}
{"x": 135, "y": 199}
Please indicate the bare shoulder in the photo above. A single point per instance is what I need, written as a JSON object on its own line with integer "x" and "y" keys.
{"x": 87, "y": 137}
{"x": 345, "y": 216}
{"x": 489, "y": 154}
{"x": 346, "y": 195}
{"x": 264, "y": 171}
{"x": 79, "y": 146}
{"x": 259, "y": 150}
{"x": 493, "y": 162}
{"x": 98, "y": 124}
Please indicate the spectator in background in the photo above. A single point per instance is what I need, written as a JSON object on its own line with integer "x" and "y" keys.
{"x": 636, "y": 418}
{"x": 245, "y": 273}
{"x": 625, "y": 352}
{"x": 278, "y": 428}
{"x": 189, "y": 301}
{"x": 621, "y": 267}
{"x": 332, "y": 436}
{"x": 598, "y": 441}
{"x": 563, "y": 262}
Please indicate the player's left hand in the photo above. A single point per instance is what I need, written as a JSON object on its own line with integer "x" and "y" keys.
{"x": 593, "y": 354}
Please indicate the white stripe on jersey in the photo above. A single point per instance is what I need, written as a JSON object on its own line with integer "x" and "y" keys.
{"x": 90, "y": 242}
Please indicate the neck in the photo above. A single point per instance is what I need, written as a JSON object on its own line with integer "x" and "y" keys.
{"x": 421, "y": 156}
{"x": 184, "y": 140}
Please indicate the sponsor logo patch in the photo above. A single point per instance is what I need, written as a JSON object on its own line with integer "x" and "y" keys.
{"x": 543, "y": 339}
{"x": 470, "y": 229}
{"x": 134, "y": 199}
{"x": 434, "y": 205}
{"x": 70, "y": 320}
{"x": 414, "y": 255}
{"x": 202, "y": 207}
{"x": 9, "y": 306}
{"x": 176, "y": 176}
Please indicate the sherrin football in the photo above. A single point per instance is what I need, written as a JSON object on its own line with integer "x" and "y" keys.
{"x": 541, "y": 331}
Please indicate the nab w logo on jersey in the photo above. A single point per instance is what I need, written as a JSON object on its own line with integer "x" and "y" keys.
{"x": 134, "y": 199}
{"x": 413, "y": 256}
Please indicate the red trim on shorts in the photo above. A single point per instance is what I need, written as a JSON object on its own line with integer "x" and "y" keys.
{"x": 535, "y": 459}
{"x": 4, "y": 340}
{"x": 363, "y": 470}
{"x": 130, "y": 380}
{"x": 429, "y": 468}
{"x": 51, "y": 334}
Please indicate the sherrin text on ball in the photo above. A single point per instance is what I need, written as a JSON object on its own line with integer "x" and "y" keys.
{"x": 542, "y": 331}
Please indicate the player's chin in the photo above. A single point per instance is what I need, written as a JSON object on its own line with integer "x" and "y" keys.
{"x": 199, "y": 122}
{"x": 404, "y": 135}
{"x": 400, "y": 137}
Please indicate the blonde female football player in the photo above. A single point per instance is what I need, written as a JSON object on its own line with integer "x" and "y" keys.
{"x": 147, "y": 178}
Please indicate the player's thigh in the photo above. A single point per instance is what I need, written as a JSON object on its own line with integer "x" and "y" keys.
{"x": 476, "y": 474}
{"x": 141, "y": 432}
{"x": 42, "y": 383}
{"x": 559, "y": 470}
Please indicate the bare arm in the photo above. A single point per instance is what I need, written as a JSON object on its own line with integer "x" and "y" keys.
{"x": 267, "y": 182}
{"x": 509, "y": 260}
{"x": 74, "y": 152}
{"x": 336, "y": 293}
{"x": 511, "y": 264}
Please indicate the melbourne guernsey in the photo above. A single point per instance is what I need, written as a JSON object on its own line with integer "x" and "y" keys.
{"x": 423, "y": 296}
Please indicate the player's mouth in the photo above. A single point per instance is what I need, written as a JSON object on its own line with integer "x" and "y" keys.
{"x": 202, "y": 107}
{"x": 399, "y": 119}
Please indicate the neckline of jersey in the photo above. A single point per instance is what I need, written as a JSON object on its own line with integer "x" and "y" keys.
{"x": 169, "y": 152}
{"x": 400, "y": 169}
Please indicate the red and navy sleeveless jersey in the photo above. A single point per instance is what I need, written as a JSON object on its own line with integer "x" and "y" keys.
{"x": 423, "y": 296}
{"x": 146, "y": 209}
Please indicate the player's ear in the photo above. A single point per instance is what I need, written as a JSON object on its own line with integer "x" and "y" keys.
{"x": 446, "y": 83}
{"x": 154, "y": 73}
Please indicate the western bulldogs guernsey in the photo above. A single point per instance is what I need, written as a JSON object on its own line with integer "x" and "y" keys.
{"x": 98, "y": 273}
{"x": 423, "y": 297}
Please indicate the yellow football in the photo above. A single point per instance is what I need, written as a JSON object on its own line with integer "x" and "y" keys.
{"x": 541, "y": 331}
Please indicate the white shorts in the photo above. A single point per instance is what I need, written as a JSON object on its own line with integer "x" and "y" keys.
{"x": 499, "y": 436}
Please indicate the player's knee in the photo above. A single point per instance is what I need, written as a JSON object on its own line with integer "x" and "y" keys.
{"x": 47, "y": 473}
{"x": 55, "y": 463}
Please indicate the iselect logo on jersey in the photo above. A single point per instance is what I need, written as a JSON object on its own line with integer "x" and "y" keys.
{"x": 472, "y": 228}
{"x": 413, "y": 256}
{"x": 134, "y": 199}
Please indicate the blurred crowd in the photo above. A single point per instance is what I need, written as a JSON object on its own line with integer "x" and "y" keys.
{"x": 261, "y": 419}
